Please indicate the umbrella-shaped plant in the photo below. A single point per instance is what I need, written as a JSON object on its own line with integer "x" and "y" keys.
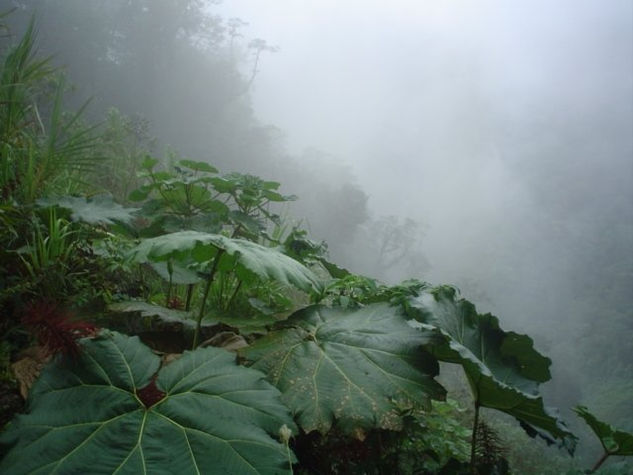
{"x": 502, "y": 368}
{"x": 215, "y": 253}
{"x": 117, "y": 409}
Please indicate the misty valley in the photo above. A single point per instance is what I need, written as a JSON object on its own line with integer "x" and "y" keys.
{"x": 187, "y": 288}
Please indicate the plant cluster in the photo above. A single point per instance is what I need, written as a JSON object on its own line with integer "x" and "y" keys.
{"x": 287, "y": 363}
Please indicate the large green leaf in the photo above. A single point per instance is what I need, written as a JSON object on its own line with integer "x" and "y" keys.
{"x": 615, "y": 442}
{"x": 100, "y": 209}
{"x": 252, "y": 225}
{"x": 265, "y": 262}
{"x": 144, "y": 309}
{"x": 246, "y": 324}
{"x": 503, "y": 368}
{"x": 334, "y": 270}
{"x": 205, "y": 415}
{"x": 360, "y": 368}
{"x": 198, "y": 166}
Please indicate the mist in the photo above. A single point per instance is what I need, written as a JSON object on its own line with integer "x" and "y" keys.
{"x": 505, "y": 128}
{"x": 497, "y": 136}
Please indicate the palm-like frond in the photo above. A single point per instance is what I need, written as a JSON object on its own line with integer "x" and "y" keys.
{"x": 39, "y": 153}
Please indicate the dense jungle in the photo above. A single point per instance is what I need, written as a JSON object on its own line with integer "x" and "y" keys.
{"x": 186, "y": 287}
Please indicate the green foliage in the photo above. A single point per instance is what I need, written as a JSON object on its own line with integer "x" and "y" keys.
{"x": 123, "y": 143}
{"x": 37, "y": 155}
{"x": 349, "y": 291}
{"x": 433, "y": 439}
{"x": 183, "y": 199}
{"x": 192, "y": 197}
{"x": 250, "y": 193}
{"x": 353, "y": 290}
{"x": 52, "y": 261}
{"x": 429, "y": 442}
{"x": 68, "y": 262}
{"x": 145, "y": 309}
{"x": 43, "y": 150}
{"x": 614, "y": 442}
{"x": 362, "y": 368}
{"x": 118, "y": 276}
{"x": 46, "y": 248}
{"x": 200, "y": 413}
{"x": 298, "y": 246}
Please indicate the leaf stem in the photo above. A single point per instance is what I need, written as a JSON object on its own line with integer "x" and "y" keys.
{"x": 207, "y": 288}
{"x": 600, "y": 462}
{"x": 230, "y": 301}
{"x": 189, "y": 295}
{"x": 473, "y": 445}
{"x": 170, "y": 269}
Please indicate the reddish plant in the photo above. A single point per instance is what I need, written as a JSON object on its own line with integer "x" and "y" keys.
{"x": 150, "y": 394}
{"x": 55, "y": 327}
{"x": 176, "y": 303}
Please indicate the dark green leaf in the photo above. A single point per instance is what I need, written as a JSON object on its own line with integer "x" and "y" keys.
{"x": 198, "y": 166}
{"x": 149, "y": 163}
{"x": 335, "y": 271}
{"x": 262, "y": 261}
{"x": 149, "y": 310}
{"x": 139, "y": 194}
{"x": 162, "y": 176}
{"x": 362, "y": 368}
{"x": 270, "y": 185}
{"x": 247, "y": 222}
{"x": 223, "y": 185}
{"x": 260, "y": 306}
{"x": 615, "y": 442}
{"x": 215, "y": 206}
{"x": 90, "y": 415}
{"x": 278, "y": 197}
{"x": 503, "y": 368}
{"x": 180, "y": 275}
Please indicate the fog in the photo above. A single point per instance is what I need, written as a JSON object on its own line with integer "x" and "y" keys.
{"x": 502, "y": 130}
{"x": 504, "y": 127}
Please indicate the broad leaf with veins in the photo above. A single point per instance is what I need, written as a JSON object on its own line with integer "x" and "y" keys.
{"x": 362, "y": 368}
{"x": 114, "y": 411}
{"x": 167, "y": 315}
{"x": 247, "y": 258}
{"x": 100, "y": 209}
